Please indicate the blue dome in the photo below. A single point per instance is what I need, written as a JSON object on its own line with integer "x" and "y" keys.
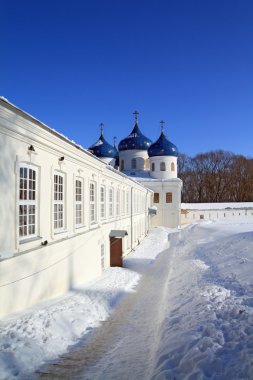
{"x": 162, "y": 147}
{"x": 102, "y": 148}
{"x": 136, "y": 140}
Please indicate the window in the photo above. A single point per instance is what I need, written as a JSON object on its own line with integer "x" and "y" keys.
{"x": 127, "y": 202}
{"x": 27, "y": 202}
{"x": 79, "y": 202}
{"x": 168, "y": 197}
{"x": 102, "y": 202}
{"x": 156, "y": 197}
{"x": 172, "y": 166}
{"x": 117, "y": 202}
{"x": 123, "y": 201}
{"x": 110, "y": 202}
{"x": 133, "y": 163}
{"x": 58, "y": 202}
{"x": 93, "y": 211}
{"x": 153, "y": 166}
{"x": 147, "y": 163}
{"x": 162, "y": 166}
{"x": 122, "y": 165}
{"x": 102, "y": 256}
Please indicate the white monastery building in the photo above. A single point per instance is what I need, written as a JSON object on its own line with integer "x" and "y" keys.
{"x": 67, "y": 213}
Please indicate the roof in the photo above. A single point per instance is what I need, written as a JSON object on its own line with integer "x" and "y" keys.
{"x": 162, "y": 147}
{"x": 31, "y": 118}
{"x": 136, "y": 140}
{"x": 102, "y": 148}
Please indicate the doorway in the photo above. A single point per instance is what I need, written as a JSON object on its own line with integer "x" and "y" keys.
{"x": 116, "y": 252}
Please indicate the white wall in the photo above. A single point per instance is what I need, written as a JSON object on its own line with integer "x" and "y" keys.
{"x": 127, "y": 155}
{"x": 168, "y": 173}
{"x": 168, "y": 214}
{"x": 29, "y": 272}
{"x": 189, "y": 216}
{"x": 108, "y": 160}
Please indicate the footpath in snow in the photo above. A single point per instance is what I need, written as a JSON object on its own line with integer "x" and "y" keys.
{"x": 48, "y": 330}
{"x": 187, "y": 315}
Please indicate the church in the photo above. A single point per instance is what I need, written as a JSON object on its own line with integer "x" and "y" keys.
{"x": 154, "y": 165}
{"x": 68, "y": 213}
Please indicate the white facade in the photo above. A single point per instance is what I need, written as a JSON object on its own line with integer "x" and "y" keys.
{"x": 167, "y": 200}
{"x": 163, "y": 167}
{"x": 215, "y": 211}
{"x": 108, "y": 161}
{"x": 58, "y": 206}
{"x": 133, "y": 161}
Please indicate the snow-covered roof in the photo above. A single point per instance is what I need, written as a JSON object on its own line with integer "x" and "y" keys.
{"x": 215, "y": 206}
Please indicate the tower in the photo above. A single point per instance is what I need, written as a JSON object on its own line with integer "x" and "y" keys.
{"x": 103, "y": 150}
{"x": 163, "y": 157}
{"x": 164, "y": 182}
{"x": 133, "y": 155}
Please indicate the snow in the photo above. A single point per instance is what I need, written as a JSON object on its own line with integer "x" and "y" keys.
{"x": 216, "y": 206}
{"x": 186, "y": 313}
{"x": 47, "y": 330}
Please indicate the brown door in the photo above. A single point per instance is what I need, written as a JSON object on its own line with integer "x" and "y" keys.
{"x": 115, "y": 252}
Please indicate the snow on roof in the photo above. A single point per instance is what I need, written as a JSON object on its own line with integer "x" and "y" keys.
{"x": 215, "y": 206}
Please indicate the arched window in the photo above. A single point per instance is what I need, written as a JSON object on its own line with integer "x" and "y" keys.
{"x": 147, "y": 163}
{"x": 153, "y": 166}
{"x": 172, "y": 166}
{"x": 122, "y": 165}
{"x": 162, "y": 166}
{"x": 133, "y": 163}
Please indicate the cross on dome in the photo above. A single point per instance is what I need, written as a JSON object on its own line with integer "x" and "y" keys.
{"x": 136, "y": 113}
{"x": 162, "y": 122}
{"x": 101, "y": 128}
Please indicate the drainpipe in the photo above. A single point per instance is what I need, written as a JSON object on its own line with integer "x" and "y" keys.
{"x": 162, "y": 204}
{"x": 146, "y": 211}
{"x": 131, "y": 218}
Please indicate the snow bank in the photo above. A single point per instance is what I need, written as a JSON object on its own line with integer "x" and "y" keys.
{"x": 207, "y": 332}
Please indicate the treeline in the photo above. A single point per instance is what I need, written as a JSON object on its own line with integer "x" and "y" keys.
{"x": 216, "y": 176}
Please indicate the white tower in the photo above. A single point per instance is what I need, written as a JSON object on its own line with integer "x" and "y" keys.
{"x": 133, "y": 155}
{"x": 164, "y": 182}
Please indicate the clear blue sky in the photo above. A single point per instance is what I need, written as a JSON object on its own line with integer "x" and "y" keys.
{"x": 74, "y": 64}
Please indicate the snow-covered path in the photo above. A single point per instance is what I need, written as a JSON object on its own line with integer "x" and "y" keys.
{"x": 190, "y": 318}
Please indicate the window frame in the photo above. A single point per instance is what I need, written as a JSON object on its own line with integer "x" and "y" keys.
{"x": 162, "y": 166}
{"x": 117, "y": 202}
{"x": 59, "y": 210}
{"x": 93, "y": 202}
{"x": 156, "y": 197}
{"x": 31, "y": 218}
{"x": 79, "y": 202}
{"x": 103, "y": 203}
{"x": 133, "y": 163}
{"x": 110, "y": 202}
{"x": 169, "y": 197}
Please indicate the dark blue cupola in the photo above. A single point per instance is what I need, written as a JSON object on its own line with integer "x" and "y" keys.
{"x": 162, "y": 147}
{"x": 136, "y": 140}
{"x": 102, "y": 148}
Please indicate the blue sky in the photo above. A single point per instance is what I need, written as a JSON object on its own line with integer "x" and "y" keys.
{"x": 76, "y": 64}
